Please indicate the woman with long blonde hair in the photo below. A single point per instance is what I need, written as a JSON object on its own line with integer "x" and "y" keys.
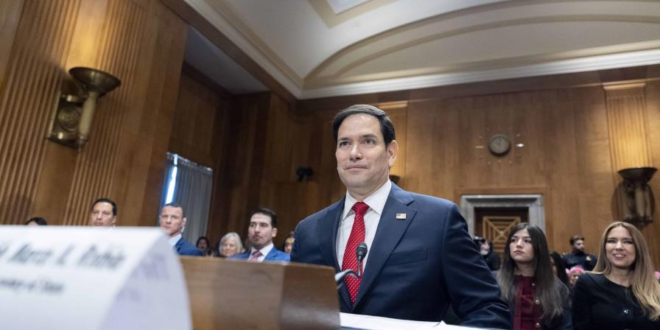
{"x": 621, "y": 292}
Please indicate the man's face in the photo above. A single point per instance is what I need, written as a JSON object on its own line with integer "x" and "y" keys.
{"x": 578, "y": 245}
{"x": 261, "y": 233}
{"x": 363, "y": 160}
{"x": 101, "y": 215}
{"x": 172, "y": 220}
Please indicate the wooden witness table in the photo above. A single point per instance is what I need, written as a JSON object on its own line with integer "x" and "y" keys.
{"x": 234, "y": 294}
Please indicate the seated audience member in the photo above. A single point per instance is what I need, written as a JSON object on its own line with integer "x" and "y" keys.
{"x": 230, "y": 245}
{"x": 559, "y": 267}
{"x": 578, "y": 257}
{"x": 36, "y": 222}
{"x": 574, "y": 273}
{"x": 621, "y": 292}
{"x": 288, "y": 242}
{"x": 104, "y": 213}
{"x": 537, "y": 299}
{"x": 262, "y": 230}
{"x": 486, "y": 250}
{"x": 204, "y": 246}
{"x": 172, "y": 221}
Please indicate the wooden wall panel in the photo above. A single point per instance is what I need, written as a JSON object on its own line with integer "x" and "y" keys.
{"x": 566, "y": 155}
{"x": 626, "y": 114}
{"x": 202, "y": 131}
{"x": 567, "y": 135}
{"x": 10, "y": 13}
{"x": 118, "y": 54}
{"x": 652, "y": 232}
{"x": 194, "y": 120}
{"x": 29, "y": 92}
{"x": 141, "y": 42}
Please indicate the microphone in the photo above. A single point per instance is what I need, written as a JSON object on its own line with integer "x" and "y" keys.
{"x": 360, "y": 252}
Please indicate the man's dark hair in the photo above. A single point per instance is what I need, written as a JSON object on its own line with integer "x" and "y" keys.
{"x": 175, "y": 205}
{"x": 37, "y": 220}
{"x": 109, "y": 201}
{"x": 575, "y": 238}
{"x": 386, "y": 126}
{"x": 268, "y": 212}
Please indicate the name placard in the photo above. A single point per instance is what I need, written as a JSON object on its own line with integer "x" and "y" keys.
{"x": 90, "y": 278}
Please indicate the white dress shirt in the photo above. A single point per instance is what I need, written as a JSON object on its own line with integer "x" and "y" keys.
{"x": 264, "y": 252}
{"x": 376, "y": 202}
{"x": 173, "y": 240}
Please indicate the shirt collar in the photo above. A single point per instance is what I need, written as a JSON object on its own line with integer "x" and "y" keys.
{"x": 376, "y": 201}
{"x": 264, "y": 250}
{"x": 173, "y": 240}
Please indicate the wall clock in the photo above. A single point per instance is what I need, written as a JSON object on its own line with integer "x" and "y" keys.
{"x": 499, "y": 145}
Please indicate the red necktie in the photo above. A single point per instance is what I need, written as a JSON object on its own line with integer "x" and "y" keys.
{"x": 255, "y": 256}
{"x": 350, "y": 259}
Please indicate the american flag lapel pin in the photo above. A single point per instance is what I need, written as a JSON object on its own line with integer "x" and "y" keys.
{"x": 401, "y": 216}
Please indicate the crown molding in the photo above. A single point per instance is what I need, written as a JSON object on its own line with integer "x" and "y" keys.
{"x": 595, "y": 63}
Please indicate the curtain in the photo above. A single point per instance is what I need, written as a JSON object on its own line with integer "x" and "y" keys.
{"x": 193, "y": 184}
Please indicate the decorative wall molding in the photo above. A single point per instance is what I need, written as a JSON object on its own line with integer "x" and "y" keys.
{"x": 533, "y": 202}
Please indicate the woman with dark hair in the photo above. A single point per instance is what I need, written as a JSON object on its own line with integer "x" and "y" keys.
{"x": 287, "y": 246}
{"x": 36, "y": 222}
{"x": 204, "y": 245}
{"x": 559, "y": 267}
{"x": 621, "y": 292}
{"x": 537, "y": 299}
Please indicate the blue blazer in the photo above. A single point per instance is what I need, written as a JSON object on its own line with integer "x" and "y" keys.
{"x": 183, "y": 248}
{"x": 273, "y": 255}
{"x": 417, "y": 265}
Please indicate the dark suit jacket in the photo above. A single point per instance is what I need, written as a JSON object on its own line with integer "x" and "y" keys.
{"x": 416, "y": 266}
{"x": 183, "y": 248}
{"x": 273, "y": 255}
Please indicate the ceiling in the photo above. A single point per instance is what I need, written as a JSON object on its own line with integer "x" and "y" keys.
{"x": 321, "y": 48}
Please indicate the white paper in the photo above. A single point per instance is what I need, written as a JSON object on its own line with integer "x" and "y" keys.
{"x": 368, "y": 322}
{"x": 90, "y": 278}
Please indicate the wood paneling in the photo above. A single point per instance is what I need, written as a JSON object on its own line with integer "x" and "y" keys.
{"x": 565, "y": 128}
{"x": 194, "y": 120}
{"x": 626, "y": 115}
{"x": 567, "y": 135}
{"x": 652, "y": 232}
{"x": 31, "y": 79}
{"x": 202, "y": 131}
{"x": 139, "y": 41}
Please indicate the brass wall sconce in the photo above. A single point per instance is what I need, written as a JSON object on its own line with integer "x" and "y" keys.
{"x": 640, "y": 204}
{"x": 73, "y": 116}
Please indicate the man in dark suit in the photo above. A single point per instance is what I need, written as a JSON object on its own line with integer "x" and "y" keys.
{"x": 172, "y": 221}
{"x": 421, "y": 258}
{"x": 578, "y": 257}
{"x": 262, "y": 230}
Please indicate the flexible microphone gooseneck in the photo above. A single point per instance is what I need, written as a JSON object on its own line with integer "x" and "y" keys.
{"x": 339, "y": 277}
{"x": 360, "y": 252}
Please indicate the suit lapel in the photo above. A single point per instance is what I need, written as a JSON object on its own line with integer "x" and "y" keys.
{"x": 271, "y": 255}
{"x": 327, "y": 233}
{"x": 389, "y": 232}
{"x": 178, "y": 245}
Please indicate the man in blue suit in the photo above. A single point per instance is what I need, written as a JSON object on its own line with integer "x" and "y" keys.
{"x": 262, "y": 230}
{"x": 172, "y": 221}
{"x": 421, "y": 258}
